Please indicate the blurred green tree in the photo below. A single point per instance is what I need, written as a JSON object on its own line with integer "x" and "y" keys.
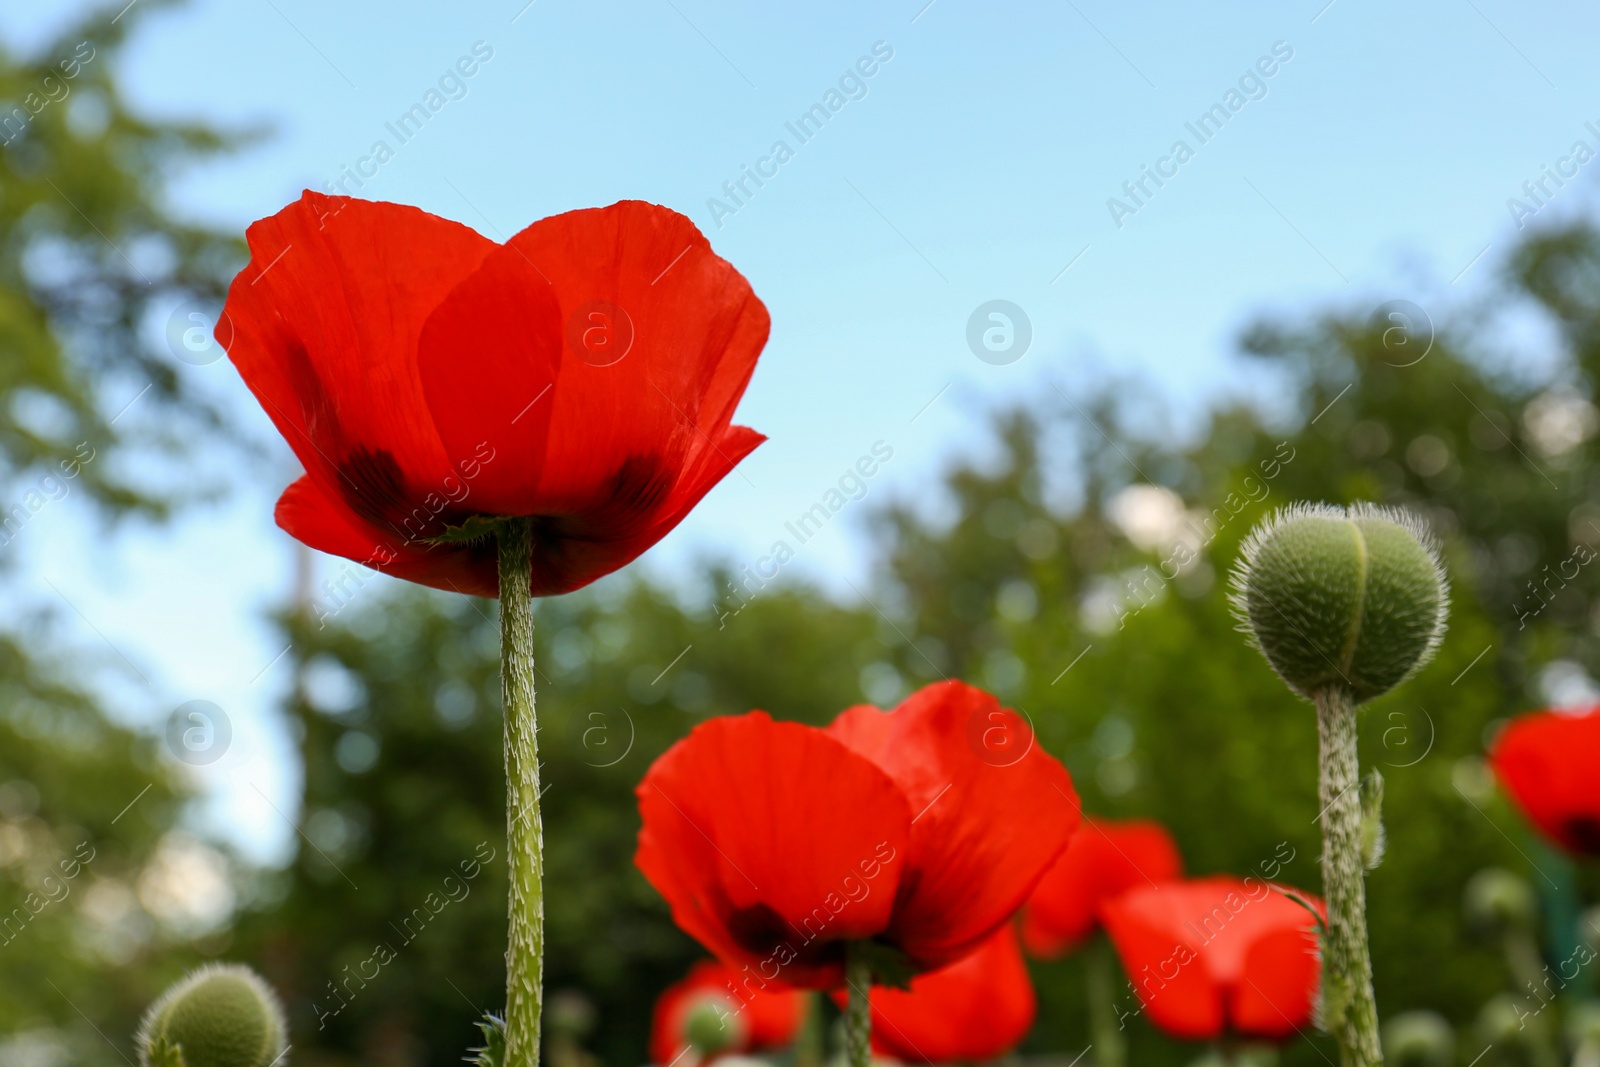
{"x": 92, "y": 265}
{"x": 98, "y": 277}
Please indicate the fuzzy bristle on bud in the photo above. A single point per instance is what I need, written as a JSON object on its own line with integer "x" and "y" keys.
{"x": 1353, "y": 598}
{"x": 222, "y": 1015}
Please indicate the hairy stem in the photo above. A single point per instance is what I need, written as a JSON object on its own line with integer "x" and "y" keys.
{"x": 1350, "y": 1011}
{"x": 858, "y": 1012}
{"x": 524, "y": 832}
{"x": 1104, "y": 1026}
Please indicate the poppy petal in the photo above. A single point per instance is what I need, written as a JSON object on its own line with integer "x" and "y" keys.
{"x": 971, "y": 1011}
{"x": 775, "y": 1013}
{"x": 574, "y": 552}
{"x": 1547, "y": 762}
{"x": 1277, "y": 984}
{"x": 323, "y": 323}
{"x": 1179, "y": 994}
{"x": 992, "y": 811}
{"x": 307, "y": 512}
{"x": 1102, "y": 860}
{"x": 774, "y": 844}
{"x": 488, "y": 358}
{"x": 1217, "y": 952}
{"x": 661, "y": 337}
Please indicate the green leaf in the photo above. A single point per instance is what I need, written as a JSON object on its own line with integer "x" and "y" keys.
{"x": 476, "y": 528}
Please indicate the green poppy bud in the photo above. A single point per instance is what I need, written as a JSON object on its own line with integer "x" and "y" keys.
{"x": 1497, "y": 902}
{"x": 712, "y": 1026}
{"x": 1352, "y": 598}
{"x": 1589, "y": 928}
{"x": 1583, "y": 1026}
{"x": 217, "y": 1016}
{"x": 1516, "y": 1024}
{"x": 1418, "y": 1039}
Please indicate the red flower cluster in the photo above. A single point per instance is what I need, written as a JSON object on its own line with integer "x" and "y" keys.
{"x": 583, "y": 373}
{"x": 1102, "y": 861}
{"x": 777, "y": 844}
{"x": 972, "y": 1011}
{"x": 754, "y": 1020}
{"x": 1550, "y": 764}
{"x": 1214, "y": 955}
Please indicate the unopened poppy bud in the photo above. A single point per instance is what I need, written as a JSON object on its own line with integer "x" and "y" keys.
{"x": 1506, "y": 1021}
{"x": 1418, "y": 1039}
{"x": 711, "y": 1027}
{"x": 1497, "y": 902}
{"x": 1353, "y": 598}
{"x": 571, "y": 1013}
{"x": 1583, "y": 1027}
{"x": 217, "y": 1016}
{"x": 1589, "y": 928}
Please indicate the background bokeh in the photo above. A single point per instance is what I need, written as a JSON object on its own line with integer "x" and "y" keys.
{"x": 1196, "y": 367}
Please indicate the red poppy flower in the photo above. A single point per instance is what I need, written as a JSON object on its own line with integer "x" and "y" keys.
{"x": 777, "y": 843}
{"x": 1550, "y": 764}
{"x": 1102, "y": 860}
{"x": 755, "y": 1019}
{"x": 1217, "y": 954}
{"x": 583, "y": 373}
{"x": 971, "y": 1011}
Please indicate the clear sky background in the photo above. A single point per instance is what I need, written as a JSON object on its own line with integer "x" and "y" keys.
{"x": 977, "y": 166}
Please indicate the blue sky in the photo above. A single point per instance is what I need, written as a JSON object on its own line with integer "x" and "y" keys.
{"x": 975, "y": 164}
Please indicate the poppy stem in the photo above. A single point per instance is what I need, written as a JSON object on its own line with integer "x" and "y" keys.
{"x": 524, "y": 831}
{"x": 1349, "y": 1009}
{"x": 1105, "y": 1027}
{"x": 809, "y": 1044}
{"x": 858, "y": 1010}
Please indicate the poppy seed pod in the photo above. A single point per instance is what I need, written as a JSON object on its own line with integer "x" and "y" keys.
{"x": 1353, "y": 598}
{"x": 217, "y": 1016}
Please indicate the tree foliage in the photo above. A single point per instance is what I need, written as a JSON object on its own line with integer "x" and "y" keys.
{"x": 98, "y": 276}
{"x": 92, "y": 261}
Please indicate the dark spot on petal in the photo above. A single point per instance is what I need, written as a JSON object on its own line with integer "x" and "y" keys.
{"x": 910, "y": 878}
{"x": 762, "y": 931}
{"x": 316, "y": 409}
{"x": 575, "y": 548}
{"x": 1584, "y": 833}
{"x": 628, "y": 505}
{"x": 758, "y": 928}
{"x": 374, "y": 486}
{"x": 640, "y": 484}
